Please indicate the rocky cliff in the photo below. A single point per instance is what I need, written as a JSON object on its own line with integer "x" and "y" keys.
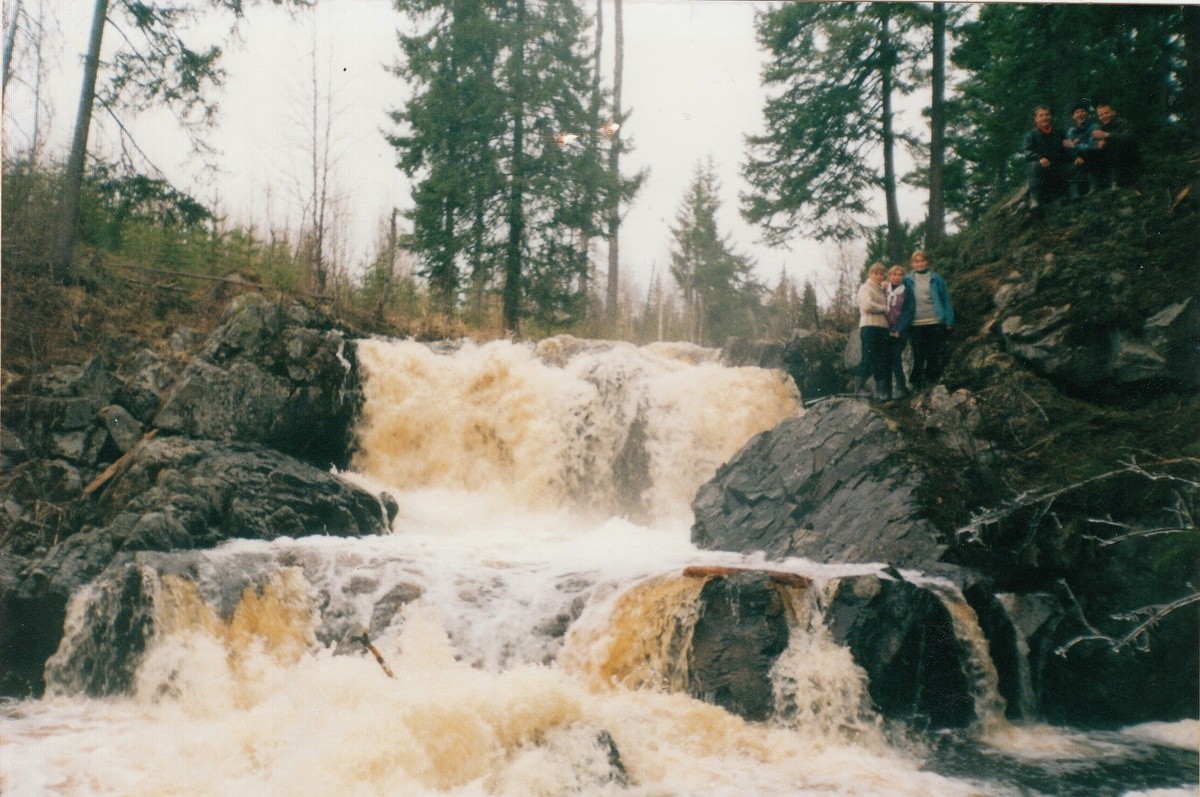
{"x": 1054, "y": 474}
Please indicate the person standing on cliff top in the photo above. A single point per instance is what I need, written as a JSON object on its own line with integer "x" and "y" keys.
{"x": 872, "y": 332}
{"x": 1047, "y": 159}
{"x": 898, "y": 292}
{"x": 933, "y": 318}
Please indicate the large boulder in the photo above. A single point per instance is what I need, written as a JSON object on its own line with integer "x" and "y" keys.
{"x": 904, "y": 637}
{"x": 834, "y": 485}
{"x": 280, "y": 376}
{"x": 741, "y": 630}
{"x": 175, "y": 493}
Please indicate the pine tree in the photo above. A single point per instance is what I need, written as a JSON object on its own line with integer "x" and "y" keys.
{"x": 809, "y": 312}
{"x": 503, "y": 93}
{"x": 719, "y": 290}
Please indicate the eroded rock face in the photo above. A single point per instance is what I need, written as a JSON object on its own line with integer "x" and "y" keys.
{"x": 741, "y": 632}
{"x": 283, "y": 593}
{"x": 1102, "y": 359}
{"x": 904, "y": 638}
{"x": 833, "y": 485}
{"x": 177, "y": 493}
{"x": 279, "y": 376}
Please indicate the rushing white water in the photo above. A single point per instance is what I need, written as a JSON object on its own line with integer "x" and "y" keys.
{"x": 531, "y": 604}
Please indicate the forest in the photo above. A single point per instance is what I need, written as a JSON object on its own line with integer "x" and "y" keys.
{"x": 512, "y": 140}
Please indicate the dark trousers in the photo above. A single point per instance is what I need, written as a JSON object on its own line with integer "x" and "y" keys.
{"x": 875, "y": 363}
{"x": 1091, "y": 175}
{"x": 928, "y": 346}
{"x": 895, "y": 372}
{"x": 1046, "y": 183}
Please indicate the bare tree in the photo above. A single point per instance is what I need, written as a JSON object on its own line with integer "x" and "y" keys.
{"x": 10, "y": 40}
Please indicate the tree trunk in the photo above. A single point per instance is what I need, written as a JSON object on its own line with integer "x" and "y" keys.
{"x": 10, "y": 41}
{"x": 516, "y": 213}
{"x": 68, "y": 221}
{"x": 887, "y": 57}
{"x": 614, "y": 157}
{"x": 585, "y": 279}
{"x": 935, "y": 225}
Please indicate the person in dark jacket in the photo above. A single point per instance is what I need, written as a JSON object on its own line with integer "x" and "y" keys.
{"x": 1120, "y": 161}
{"x": 1047, "y": 159}
{"x": 1083, "y": 148}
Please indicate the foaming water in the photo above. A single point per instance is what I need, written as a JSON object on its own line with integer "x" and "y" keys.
{"x": 532, "y": 605}
{"x": 613, "y": 428}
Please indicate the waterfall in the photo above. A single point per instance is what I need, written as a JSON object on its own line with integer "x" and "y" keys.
{"x": 538, "y": 605}
{"x": 611, "y": 428}
{"x": 976, "y": 662}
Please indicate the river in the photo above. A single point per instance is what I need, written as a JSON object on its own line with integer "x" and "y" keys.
{"x": 523, "y": 618}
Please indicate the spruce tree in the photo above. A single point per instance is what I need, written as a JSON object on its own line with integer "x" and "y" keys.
{"x": 719, "y": 289}
{"x": 835, "y": 70}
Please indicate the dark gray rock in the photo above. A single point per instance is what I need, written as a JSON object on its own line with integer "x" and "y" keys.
{"x": 741, "y": 630}
{"x": 123, "y": 429}
{"x": 176, "y": 493}
{"x": 278, "y": 376}
{"x": 833, "y": 485}
{"x": 814, "y": 361}
{"x": 902, "y": 635}
{"x": 1103, "y": 359}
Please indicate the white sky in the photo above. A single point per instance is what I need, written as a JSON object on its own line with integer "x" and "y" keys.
{"x": 691, "y": 76}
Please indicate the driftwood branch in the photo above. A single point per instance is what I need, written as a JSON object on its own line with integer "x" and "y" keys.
{"x": 121, "y": 464}
{"x": 365, "y": 640}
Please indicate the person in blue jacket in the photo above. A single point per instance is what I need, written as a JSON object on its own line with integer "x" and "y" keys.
{"x": 898, "y": 293}
{"x": 1083, "y": 147}
{"x": 933, "y": 318}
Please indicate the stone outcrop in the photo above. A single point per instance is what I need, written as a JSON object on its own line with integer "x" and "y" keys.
{"x": 833, "y": 485}
{"x": 279, "y": 376}
{"x": 176, "y": 493}
{"x": 137, "y": 451}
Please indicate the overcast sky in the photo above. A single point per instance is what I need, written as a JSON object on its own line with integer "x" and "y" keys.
{"x": 691, "y": 80}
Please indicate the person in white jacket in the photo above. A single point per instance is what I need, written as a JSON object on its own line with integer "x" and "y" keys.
{"x": 873, "y": 332}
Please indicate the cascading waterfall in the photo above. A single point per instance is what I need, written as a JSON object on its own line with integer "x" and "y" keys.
{"x": 536, "y": 605}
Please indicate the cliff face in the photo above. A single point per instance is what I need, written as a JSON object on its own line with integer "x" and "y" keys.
{"x": 1056, "y": 470}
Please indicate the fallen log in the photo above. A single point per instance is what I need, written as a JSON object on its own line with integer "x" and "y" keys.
{"x": 781, "y": 577}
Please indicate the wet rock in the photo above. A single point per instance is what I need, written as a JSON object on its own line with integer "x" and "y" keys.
{"x": 833, "y": 485}
{"x": 390, "y": 605}
{"x": 176, "y": 493}
{"x": 902, "y": 635}
{"x": 741, "y": 630}
{"x": 278, "y": 376}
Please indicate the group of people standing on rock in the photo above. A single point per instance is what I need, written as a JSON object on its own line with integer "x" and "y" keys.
{"x": 897, "y": 309}
{"x": 1090, "y": 155}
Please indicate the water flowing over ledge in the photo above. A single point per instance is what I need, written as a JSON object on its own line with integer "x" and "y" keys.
{"x": 535, "y": 607}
